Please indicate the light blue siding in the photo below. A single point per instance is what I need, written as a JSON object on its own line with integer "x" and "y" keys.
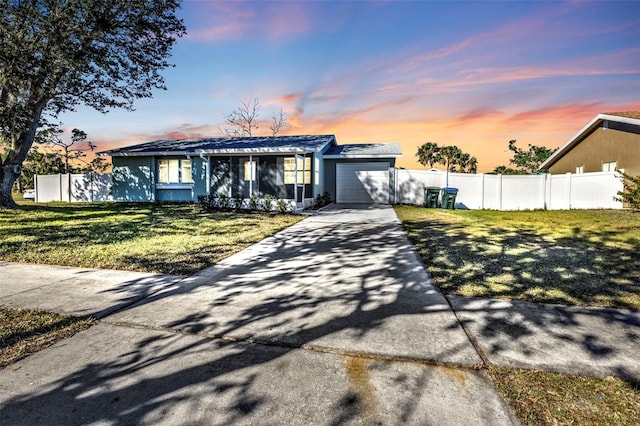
{"x": 132, "y": 179}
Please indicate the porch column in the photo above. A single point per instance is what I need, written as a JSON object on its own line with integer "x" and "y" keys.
{"x": 250, "y": 175}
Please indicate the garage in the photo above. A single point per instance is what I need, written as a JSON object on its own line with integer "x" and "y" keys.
{"x": 362, "y": 183}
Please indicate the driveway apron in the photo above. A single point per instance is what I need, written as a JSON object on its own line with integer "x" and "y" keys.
{"x": 345, "y": 280}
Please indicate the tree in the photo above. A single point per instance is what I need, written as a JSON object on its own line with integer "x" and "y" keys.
{"x": 427, "y": 154}
{"x": 473, "y": 165}
{"x": 528, "y": 161}
{"x": 278, "y": 122}
{"x": 452, "y": 157}
{"x": 96, "y": 165}
{"x": 449, "y": 156}
{"x": 242, "y": 120}
{"x": 630, "y": 193}
{"x": 56, "y": 55}
{"x": 51, "y": 136}
{"x": 504, "y": 170}
{"x": 39, "y": 163}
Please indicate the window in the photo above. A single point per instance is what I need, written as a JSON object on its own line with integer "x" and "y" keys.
{"x": 579, "y": 169}
{"x": 609, "y": 166}
{"x": 304, "y": 170}
{"x": 249, "y": 170}
{"x": 174, "y": 171}
{"x": 186, "y": 171}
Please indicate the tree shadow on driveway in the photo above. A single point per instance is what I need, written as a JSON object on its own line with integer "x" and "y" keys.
{"x": 343, "y": 292}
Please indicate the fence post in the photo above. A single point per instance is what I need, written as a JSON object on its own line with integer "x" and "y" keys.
{"x": 482, "y": 191}
{"x": 569, "y": 186}
{"x": 500, "y": 192}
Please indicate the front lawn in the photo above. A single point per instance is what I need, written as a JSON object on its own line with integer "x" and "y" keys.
{"x": 26, "y": 331}
{"x": 545, "y": 398}
{"x": 576, "y": 257}
{"x": 170, "y": 238}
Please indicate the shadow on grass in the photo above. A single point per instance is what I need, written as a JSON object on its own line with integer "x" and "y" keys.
{"x": 586, "y": 268}
{"x": 165, "y": 238}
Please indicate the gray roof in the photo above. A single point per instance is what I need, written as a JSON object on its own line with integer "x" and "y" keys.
{"x": 256, "y": 144}
{"x": 370, "y": 150}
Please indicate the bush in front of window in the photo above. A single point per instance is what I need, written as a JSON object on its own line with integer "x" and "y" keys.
{"x": 283, "y": 206}
{"x": 238, "y": 200}
{"x": 268, "y": 202}
{"x": 254, "y": 203}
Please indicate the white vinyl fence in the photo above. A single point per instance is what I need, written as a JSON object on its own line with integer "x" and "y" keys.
{"x": 507, "y": 192}
{"x": 73, "y": 187}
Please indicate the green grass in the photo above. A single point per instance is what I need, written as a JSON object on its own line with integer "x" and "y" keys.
{"x": 541, "y": 398}
{"x": 576, "y": 257}
{"x": 169, "y": 238}
{"x": 25, "y": 331}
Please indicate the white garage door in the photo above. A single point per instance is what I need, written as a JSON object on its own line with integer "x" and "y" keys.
{"x": 366, "y": 183}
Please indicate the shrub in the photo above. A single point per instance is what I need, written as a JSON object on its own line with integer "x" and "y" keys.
{"x": 283, "y": 206}
{"x": 268, "y": 202}
{"x": 630, "y": 193}
{"x": 208, "y": 202}
{"x": 253, "y": 202}
{"x": 224, "y": 201}
{"x": 322, "y": 201}
{"x": 237, "y": 201}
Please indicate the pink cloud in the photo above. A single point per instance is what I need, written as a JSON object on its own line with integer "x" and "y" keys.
{"x": 218, "y": 21}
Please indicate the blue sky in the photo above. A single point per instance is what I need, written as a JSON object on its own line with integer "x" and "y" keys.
{"x": 472, "y": 74}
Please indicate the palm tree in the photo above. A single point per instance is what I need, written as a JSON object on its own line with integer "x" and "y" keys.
{"x": 449, "y": 156}
{"x": 427, "y": 154}
{"x": 463, "y": 162}
{"x": 473, "y": 165}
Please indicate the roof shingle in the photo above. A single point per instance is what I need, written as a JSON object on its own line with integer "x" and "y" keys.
{"x": 255, "y": 144}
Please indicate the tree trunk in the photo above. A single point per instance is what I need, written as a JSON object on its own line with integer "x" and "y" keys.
{"x": 8, "y": 179}
{"x": 12, "y": 164}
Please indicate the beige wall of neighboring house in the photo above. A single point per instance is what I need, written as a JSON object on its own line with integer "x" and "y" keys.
{"x": 599, "y": 147}
{"x": 606, "y": 142}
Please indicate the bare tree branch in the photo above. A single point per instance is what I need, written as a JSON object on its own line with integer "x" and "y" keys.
{"x": 242, "y": 121}
{"x": 278, "y": 122}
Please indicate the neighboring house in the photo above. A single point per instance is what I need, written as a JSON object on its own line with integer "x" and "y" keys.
{"x": 296, "y": 168}
{"x": 607, "y": 142}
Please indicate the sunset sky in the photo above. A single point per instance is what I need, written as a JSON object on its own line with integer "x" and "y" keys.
{"x": 471, "y": 74}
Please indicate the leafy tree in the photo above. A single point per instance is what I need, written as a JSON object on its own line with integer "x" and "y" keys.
{"x": 452, "y": 157}
{"x": 504, "y": 170}
{"x": 449, "y": 156}
{"x": 51, "y": 136}
{"x": 427, "y": 154}
{"x": 630, "y": 193}
{"x": 96, "y": 165}
{"x": 57, "y": 54}
{"x": 40, "y": 163}
{"x": 473, "y": 165}
{"x": 528, "y": 161}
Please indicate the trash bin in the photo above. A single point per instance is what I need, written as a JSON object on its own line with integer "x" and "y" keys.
{"x": 449, "y": 198}
{"x": 431, "y": 197}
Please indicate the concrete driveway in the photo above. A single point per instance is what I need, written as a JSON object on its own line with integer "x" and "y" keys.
{"x": 331, "y": 321}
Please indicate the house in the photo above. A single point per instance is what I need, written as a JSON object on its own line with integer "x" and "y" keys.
{"x": 295, "y": 168}
{"x": 609, "y": 141}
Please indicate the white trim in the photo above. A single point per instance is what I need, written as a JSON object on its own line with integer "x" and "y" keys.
{"x": 174, "y": 185}
{"x": 346, "y": 156}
